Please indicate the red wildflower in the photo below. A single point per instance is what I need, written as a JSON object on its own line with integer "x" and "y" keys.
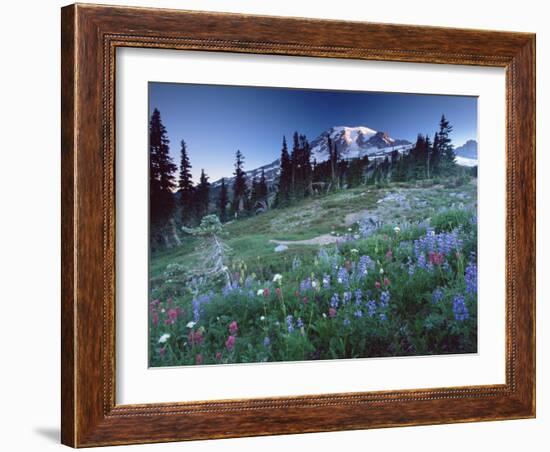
{"x": 277, "y": 291}
{"x": 377, "y": 284}
{"x": 436, "y": 258}
{"x": 233, "y": 328}
{"x": 218, "y": 355}
{"x": 230, "y": 343}
{"x": 305, "y": 300}
{"x": 266, "y": 292}
{"x": 386, "y": 282}
{"x": 172, "y": 316}
{"x": 389, "y": 255}
{"x": 195, "y": 337}
{"x": 331, "y": 312}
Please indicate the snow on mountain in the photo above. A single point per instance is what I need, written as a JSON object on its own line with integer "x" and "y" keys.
{"x": 466, "y": 155}
{"x": 271, "y": 173}
{"x": 355, "y": 142}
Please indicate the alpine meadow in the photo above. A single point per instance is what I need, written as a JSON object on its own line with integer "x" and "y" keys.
{"x": 296, "y": 224}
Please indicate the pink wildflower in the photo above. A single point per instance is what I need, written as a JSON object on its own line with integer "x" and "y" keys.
{"x": 172, "y": 315}
{"x": 386, "y": 282}
{"x": 230, "y": 343}
{"x": 198, "y": 359}
{"x": 266, "y": 292}
{"x": 195, "y": 337}
{"x": 218, "y": 356}
{"x": 377, "y": 284}
{"x": 233, "y": 328}
{"x": 155, "y": 319}
{"x": 331, "y": 312}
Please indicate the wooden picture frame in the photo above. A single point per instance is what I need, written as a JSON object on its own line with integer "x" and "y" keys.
{"x": 90, "y": 36}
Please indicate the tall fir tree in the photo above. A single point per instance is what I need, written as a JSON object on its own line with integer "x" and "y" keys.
{"x": 202, "y": 196}
{"x": 294, "y": 162}
{"x": 334, "y": 157}
{"x": 448, "y": 164}
{"x": 253, "y": 193}
{"x": 239, "y": 185}
{"x": 435, "y": 156}
{"x": 285, "y": 177}
{"x": 162, "y": 179}
{"x": 222, "y": 202}
{"x": 262, "y": 188}
{"x": 185, "y": 185}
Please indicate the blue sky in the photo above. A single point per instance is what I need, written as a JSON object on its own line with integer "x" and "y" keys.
{"x": 216, "y": 120}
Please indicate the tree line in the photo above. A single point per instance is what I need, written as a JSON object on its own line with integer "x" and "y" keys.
{"x": 176, "y": 201}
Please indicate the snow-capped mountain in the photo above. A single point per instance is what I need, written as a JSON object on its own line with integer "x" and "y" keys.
{"x": 466, "y": 155}
{"x": 352, "y": 142}
{"x": 355, "y": 142}
{"x": 271, "y": 173}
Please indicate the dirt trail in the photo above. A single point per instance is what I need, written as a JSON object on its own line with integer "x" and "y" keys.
{"x": 324, "y": 239}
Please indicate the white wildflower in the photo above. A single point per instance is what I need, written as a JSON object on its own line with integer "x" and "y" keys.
{"x": 354, "y": 250}
{"x": 277, "y": 277}
{"x": 191, "y": 324}
{"x": 314, "y": 284}
{"x": 381, "y": 271}
{"x": 260, "y": 292}
{"x": 262, "y": 318}
{"x": 164, "y": 338}
{"x": 397, "y": 229}
{"x": 324, "y": 315}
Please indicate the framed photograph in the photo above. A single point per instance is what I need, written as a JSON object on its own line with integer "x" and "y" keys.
{"x": 281, "y": 225}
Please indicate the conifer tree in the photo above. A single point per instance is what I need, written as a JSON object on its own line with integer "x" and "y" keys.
{"x": 262, "y": 188}
{"x": 222, "y": 202}
{"x": 202, "y": 197}
{"x": 285, "y": 177}
{"x": 435, "y": 157}
{"x": 239, "y": 184}
{"x": 185, "y": 185}
{"x": 446, "y": 147}
{"x": 161, "y": 172}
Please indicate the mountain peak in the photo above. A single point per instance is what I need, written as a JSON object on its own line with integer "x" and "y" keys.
{"x": 354, "y": 142}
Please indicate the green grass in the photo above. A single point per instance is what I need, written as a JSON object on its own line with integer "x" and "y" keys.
{"x": 249, "y": 238}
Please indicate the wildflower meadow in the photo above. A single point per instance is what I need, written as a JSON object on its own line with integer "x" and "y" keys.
{"x": 399, "y": 290}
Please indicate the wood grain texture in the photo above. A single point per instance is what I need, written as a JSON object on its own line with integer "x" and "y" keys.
{"x": 90, "y": 36}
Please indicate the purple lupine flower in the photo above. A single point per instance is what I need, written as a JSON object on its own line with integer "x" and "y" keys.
{"x": 346, "y": 297}
{"x": 299, "y": 323}
{"x": 267, "y": 342}
{"x": 346, "y": 322}
{"x": 342, "y": 276}
{"x": 305, "y": 285}
{"x": 334, "y": 301}
{"x": 196, "y": 309}
{"x": 371, "y": 308}
{"x": 326, "y": 281}
{"x": 460, "y": 310}
{"x": 358, "y": 313}
{"x": 470, "y": 278}
{"x": 358, "y": 297}
{"x": 289, "y": 323}
{"x": 437, "y": 295}
{"x": 384, "y": 299}
{"x": 365, "y": 264}
{"x": 383, "y": 317}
